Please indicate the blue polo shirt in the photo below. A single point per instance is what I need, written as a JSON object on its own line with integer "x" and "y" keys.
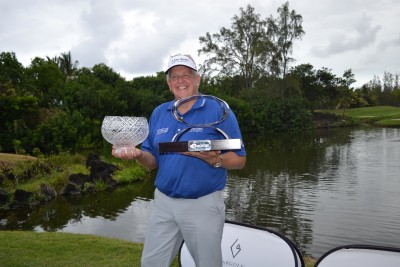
{"x": 181, "y": 176}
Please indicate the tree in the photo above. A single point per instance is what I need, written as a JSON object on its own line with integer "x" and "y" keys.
{"x": 382, "y": 90}
{"x": 243, "y": 50}
{"x": 328, "y": 82}
{"x": 65, "y": 131}
{"x": 348, "y": 78}
{"x": 12, "y": 73}
{"x": 309, "y": 86}
{"x": 389, "y": 84}
{"x": 375, "y": 86}
{"x": 106, "y": 74}
{"x": 253, "y": 48}
{"x": 284, "y": 29}
{"x": 346, "y": 96}
{"x": 94, "y": 98}
{"x": 395, "y": 95}
{"x": 364, "y": 97}
{"x": 18, "y": 114}
{"x": 45, "y": 79}
{"x": 67, "y": 66}
{"x": 143, "y": 94}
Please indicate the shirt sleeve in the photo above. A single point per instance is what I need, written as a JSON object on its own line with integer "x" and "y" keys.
{"x": 231, "y": 127}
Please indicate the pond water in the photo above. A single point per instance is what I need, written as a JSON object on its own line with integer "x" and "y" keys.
{"x": 321, "y": 189}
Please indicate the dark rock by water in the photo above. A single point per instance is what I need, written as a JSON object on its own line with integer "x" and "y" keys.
{"x": 99, "y": 171}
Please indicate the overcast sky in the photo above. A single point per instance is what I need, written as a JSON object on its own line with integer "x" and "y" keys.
{"x": 136, "y": 37}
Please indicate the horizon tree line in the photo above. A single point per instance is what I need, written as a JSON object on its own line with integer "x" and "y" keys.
{"x": 52, "y": 105}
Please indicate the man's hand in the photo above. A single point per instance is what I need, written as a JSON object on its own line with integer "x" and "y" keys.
{"x": 127, "y": 152}
{"x": 228, "y": 160}
{"x": 211, "y": 157}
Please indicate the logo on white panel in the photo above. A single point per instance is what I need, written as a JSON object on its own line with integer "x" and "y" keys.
{"x": 235, "y": 248}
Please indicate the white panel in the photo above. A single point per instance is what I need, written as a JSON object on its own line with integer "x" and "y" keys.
{"x": 250, "y": 247}
{"x": 360, "y": 257}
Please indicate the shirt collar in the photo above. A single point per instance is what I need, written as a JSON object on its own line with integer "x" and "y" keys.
{"x": 198, "y": 104}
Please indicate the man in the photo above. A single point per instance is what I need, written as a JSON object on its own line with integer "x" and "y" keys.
{"x": 188, "y": 203}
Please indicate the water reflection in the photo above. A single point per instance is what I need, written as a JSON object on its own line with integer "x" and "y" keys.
{"x": 128, "y": 224}
{"x": 111, "y": 214}
{"x": 321, "y": 189}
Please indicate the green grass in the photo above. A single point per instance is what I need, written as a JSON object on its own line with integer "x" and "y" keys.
{"x": 23, "y": 248}
{"x": 385, "y": 116}
{"x": 13, "y": 158}
{"x": 20, "y": 248}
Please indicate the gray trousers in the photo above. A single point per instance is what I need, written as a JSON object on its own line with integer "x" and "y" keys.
{"x": 199, "y": 222}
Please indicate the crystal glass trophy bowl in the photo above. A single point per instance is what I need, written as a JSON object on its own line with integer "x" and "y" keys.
{"x": 124, "y": 131}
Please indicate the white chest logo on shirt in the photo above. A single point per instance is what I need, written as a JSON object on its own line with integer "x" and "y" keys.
{"x": 162, "y": 130}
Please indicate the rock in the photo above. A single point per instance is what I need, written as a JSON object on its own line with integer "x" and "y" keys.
{"x": 90, "y": 158}
{"x": 4, "y": 197}
{"x": 21, "y": 198}
{"x": 101, "y": 171}
{"x": 76, "y": 184}
{"x": 79, "y": 179}
{"x": 71, "y": 190}
{"x": 48, "y": 192}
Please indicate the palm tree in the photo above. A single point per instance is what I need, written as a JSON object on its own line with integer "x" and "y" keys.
{"x": 64, "y": 63}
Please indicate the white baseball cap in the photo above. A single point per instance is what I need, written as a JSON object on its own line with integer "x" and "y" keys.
{"x": 181, "y": 60}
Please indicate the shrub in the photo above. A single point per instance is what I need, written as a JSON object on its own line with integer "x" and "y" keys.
{"x": 130, "y": 174}
{"x": 282, "y": 114}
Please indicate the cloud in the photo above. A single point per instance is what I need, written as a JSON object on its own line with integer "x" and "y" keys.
{"x": 390, "y": 43}
{"x": 136, "y": 38}
{"x": 101, "y": 24}
{"x": 31, "y": 30}
{"x": 362, "y": 35}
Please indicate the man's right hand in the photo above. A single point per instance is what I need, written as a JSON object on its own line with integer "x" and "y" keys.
{"x": 127, "y": 152}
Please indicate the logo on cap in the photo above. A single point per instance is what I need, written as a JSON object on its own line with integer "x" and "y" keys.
{"x": 181, "y": 60}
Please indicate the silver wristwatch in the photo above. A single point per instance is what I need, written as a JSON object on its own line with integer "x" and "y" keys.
{"x": 218, "y": 164}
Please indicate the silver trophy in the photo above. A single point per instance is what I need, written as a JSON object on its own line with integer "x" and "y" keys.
{"x": 123, "y": 131}
{"x": 200, "y": 145}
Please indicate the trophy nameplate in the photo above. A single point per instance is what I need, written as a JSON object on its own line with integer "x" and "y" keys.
{"x": 199, "y": 145}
